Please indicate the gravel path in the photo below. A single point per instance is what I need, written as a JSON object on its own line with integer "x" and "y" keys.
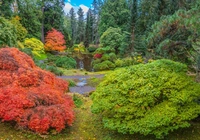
{"x": 81, "y": 89}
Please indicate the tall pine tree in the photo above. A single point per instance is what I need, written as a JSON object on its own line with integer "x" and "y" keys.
{"x": 80, "y": 26}
{"x": 133, "y": 5}
{"x": 31, "y": 15}
{"x": 72, "y": 15}
{"x": 114, "y": 13}
{"x": 5, "y": 8}
{"x": 88, "y": 28}
{"x": 53, "y": 15}
{"x": 96, "y": 8}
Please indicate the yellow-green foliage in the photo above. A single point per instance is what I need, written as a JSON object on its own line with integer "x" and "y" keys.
{"x": 79, "y": 48}
{"x": 20, "y": 45}
{"x": 21, "y": 31}
{"x": 153, "y": 98}
{"x": 35, "y": 45}
{"x": 8, "y": 33}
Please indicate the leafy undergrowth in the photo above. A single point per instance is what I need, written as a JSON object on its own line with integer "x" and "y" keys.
{"x": 87, "y": 126}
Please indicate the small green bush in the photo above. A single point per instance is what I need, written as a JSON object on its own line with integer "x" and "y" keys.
{"x": 105, "y": 65}
{"x": 77, "y": 101}
{"x": 52, "y": 58}
{"x": 91, "y": 49}
{"x": 112, "y": 56}
{"x": 105, "y": 57}
{"x": 54, "y": 70}
{"x": 119, "y": 63}
{"x": 154, "y": 98}
{"x": 28, "y": 51}
{"x": 101, "y": 66}
{"x": 71, "y": 83}
{"x": 106, "y": 49}
{"x": 96, "y": 61}
{"x": 50, "y": 68}
{"x": 128, "y": 61}
{"x": 65, "y": 62}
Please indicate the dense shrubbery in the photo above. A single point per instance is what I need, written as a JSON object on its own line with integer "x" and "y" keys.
{"x": 154, "y": 98}
{"x": 105, "y": 65}
{"x": 62, "y": 61}
{"x": 21, "y": 32}
{"x": 129, "y": 61}
{"x": 104, "y": 59}
{"x": 65, "y": 62}
{"x": 8, "y": 33}
{"x": 31, "y": 97}
{"x": 116, "y": 39}
{"x": 50, "y": 68}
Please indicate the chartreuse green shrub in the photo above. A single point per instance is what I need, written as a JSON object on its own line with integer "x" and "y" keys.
{"x": 36, "y": 46}
{"x": 154, "y": 98}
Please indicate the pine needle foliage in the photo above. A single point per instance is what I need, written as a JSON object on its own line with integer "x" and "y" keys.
{"x": 154, "y": 98}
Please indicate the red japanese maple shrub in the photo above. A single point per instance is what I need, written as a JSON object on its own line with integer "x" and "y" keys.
{"x": 97, "y": 55}
{"x": 30, "y": 96}
{"x": 54, "y": 41}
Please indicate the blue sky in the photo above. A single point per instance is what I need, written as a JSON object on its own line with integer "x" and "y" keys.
{"x": 84, "y": 4}
{"x": 79, "y": 2}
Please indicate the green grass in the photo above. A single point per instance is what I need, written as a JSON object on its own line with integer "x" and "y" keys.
{"x": 88, "y": 126}
{"x": 72, "y": 83}
{"x": 80, "y": 72}
{"x": 94, "y": 82}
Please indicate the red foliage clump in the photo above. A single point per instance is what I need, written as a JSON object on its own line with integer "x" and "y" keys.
{"x": 97, "y": 55}
{"x": 54, "y": 41}
{"x": 30, "y": 96}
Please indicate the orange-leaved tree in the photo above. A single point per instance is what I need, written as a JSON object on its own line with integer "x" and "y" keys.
{"x": 54, "y": 41}
{"x": 31, "y": 97}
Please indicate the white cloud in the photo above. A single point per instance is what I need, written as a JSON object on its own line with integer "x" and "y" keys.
{"x": 85, "y": 8}
{"x": 68, "y": 6}
{"x": 69, "y": 0}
